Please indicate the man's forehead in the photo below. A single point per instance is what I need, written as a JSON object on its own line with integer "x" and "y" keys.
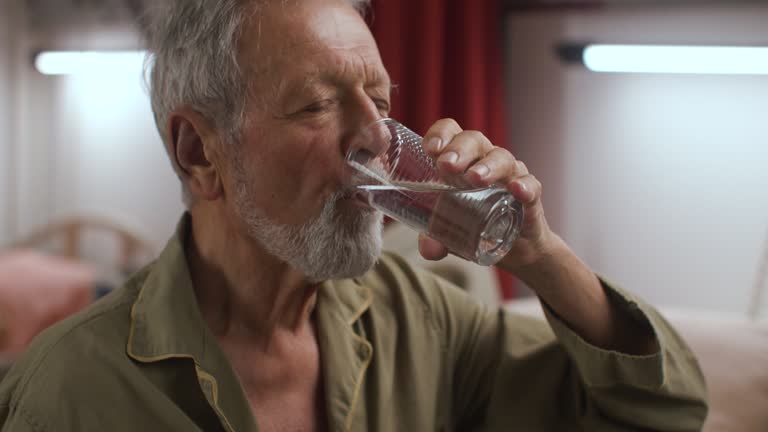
{"x": 283, "y": 27}
{"x": 305, "y": 49}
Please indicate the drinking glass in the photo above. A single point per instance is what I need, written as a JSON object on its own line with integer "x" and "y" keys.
{"x": 403, "y": 182}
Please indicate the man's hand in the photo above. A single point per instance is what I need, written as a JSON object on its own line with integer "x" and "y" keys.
{"x": 538, "y": 257}
{"x": 471, "y": 154}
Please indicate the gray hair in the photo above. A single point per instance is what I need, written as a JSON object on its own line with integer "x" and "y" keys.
{"x": 193, "y": 58}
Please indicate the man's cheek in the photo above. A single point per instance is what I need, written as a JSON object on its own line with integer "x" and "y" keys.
{"x": 316, "y": 152}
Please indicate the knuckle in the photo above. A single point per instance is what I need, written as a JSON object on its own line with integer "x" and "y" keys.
{"x": 537, "y": 183}
{"x": 522, "y": 167}
{"x": 477, "y": 136}
{"x": 502, "y": 152}
{"x": 451, "y": 121}
{"x": 449, "y": 124}
{"x": 474, "y": 140}
{"x": 445, "y": 129}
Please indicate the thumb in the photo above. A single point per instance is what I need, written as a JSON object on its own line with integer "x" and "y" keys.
{"x": 431, "y": 249}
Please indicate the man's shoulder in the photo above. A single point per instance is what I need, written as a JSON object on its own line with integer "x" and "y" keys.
{"x": 87, "y": 345}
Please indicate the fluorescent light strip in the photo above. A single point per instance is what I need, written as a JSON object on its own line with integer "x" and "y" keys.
{"x": 677, "y": 59}
{"x": 88, "y": 62}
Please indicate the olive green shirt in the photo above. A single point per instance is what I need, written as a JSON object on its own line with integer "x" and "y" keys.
{"x": 401, "y": 350}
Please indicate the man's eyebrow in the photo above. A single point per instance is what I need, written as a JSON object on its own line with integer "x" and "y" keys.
{"x": 318, "y": 79}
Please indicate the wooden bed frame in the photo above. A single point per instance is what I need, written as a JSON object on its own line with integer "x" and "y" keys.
{"x": 71, "y": 231}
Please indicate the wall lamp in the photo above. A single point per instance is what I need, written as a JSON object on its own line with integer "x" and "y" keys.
{"x": 88, "y": 62}
{"x": 670, "y": 59}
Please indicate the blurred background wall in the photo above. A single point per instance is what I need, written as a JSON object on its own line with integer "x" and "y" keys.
{"x": 85, "y": 144}
{"x": 109, "y": 159}
{"x": 658, "y": 181}
{"x": 6, "y": 116}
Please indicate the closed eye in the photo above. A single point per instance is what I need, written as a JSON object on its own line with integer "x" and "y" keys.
{"x": 318, "y": 107}
{"x": 383, "y": 106}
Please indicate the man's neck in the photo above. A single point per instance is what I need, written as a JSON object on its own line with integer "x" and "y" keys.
{"x": 244, "y": 294}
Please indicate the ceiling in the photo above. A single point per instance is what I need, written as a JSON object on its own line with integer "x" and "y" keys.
{"x": 50, "y": 19}
{"x": 82, "y": 24}
{"x": 43, "y": 14}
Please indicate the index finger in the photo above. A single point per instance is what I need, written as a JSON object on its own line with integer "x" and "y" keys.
{"x": 440, "y": 135}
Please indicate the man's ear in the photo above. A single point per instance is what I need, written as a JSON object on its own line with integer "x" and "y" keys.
{"x": 194, "y": 149}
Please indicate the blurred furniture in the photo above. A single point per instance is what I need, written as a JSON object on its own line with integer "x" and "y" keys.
{"x": 56, "y": 271}
{"x": 37, "y": 290}
{"x": 69, "y": 235}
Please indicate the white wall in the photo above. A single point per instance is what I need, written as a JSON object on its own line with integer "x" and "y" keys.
{"x": 29, "y": 133}
{"x": 657, "y": 181}
{"x": 88, "y": 147}
{"x": 6, "y": 111}
{"x": 109, "y": 159}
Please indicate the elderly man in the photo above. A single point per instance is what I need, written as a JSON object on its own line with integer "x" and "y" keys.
{"x": 272, "y": 308}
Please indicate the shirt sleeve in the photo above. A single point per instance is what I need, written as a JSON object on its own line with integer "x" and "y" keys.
{"x": 515, "y": 372}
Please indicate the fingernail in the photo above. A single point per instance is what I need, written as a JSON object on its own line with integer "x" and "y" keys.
{"x": 450, "y": 157}
{"x": 523, "y": 186}
{"x": 481, "y": 170}
{"x": 435, "y": 143}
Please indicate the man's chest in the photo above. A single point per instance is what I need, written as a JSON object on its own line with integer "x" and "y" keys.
{"x": 284, "y": 394}
{"x": 288, "y": 413}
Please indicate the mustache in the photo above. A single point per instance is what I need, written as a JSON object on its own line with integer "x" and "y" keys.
{"x": 351, "y": 186}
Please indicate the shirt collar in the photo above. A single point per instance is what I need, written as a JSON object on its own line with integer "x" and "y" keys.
{"x": 166, "y": 321}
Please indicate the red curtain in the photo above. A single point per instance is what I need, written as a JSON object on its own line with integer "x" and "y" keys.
{"x": 446, "y": 57}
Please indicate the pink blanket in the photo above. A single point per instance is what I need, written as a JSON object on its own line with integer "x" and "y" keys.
{"x": 37, "y": 290}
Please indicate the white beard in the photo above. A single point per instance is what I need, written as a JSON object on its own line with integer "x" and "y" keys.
{"x": 335, "y": 245}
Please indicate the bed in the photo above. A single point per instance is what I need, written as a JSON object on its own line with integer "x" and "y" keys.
{"x": 58, "y": 270}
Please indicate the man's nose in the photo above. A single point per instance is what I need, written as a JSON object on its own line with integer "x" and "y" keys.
{"x": 372, "y": 141}
{"x": 368, "y": 134}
